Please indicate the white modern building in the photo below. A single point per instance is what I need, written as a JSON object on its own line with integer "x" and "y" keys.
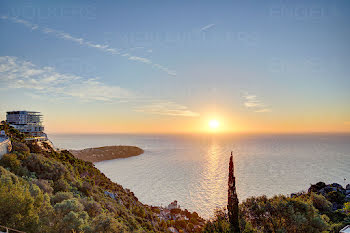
{"x": 26, "y": 122}
{"x": 345, "y": 229}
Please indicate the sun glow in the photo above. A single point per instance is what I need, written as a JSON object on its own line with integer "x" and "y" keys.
{"x": 214, "y": 124}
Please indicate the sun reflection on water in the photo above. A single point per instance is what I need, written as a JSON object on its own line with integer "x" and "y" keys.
{"x": 214, "y": 178}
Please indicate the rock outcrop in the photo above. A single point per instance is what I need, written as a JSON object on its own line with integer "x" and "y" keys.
{"x": 335, "y": 193}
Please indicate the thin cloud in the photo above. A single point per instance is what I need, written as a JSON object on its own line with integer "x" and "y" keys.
{"x": 252, "y": 102}
{"x": 264, "y": 110}
{"x": 137, "y": 47}
{"x": 141, "y": 59}
{"x": 207, "y": 27}
{"x": 168, "y": 109}
{"x": 17, "y": 74}
{"x": 40, "y": 82}
{"x": 81, "y": 41}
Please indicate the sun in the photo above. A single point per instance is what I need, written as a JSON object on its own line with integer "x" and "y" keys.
{"x": 214, "y": 124}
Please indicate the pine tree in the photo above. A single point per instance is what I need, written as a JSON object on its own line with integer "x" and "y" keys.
{"x": 232, "y": 205}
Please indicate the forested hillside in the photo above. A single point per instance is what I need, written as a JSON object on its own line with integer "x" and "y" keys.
{"x": 42, "y": 190}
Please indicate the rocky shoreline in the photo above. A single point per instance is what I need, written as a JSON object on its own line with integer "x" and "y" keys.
{"x": 106, "y": 153}
{"x": 335, "y": 193}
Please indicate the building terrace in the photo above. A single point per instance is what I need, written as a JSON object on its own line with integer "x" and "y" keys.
{"x": 28, "y": 122}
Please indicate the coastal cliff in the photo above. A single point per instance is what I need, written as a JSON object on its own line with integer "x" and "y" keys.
{"x": 44, "y": 190}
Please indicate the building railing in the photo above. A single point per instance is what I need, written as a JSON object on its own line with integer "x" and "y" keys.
{"x": 9, "y": 230}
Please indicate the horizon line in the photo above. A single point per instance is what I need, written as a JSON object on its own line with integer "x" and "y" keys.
{"x": 201, "y": 133}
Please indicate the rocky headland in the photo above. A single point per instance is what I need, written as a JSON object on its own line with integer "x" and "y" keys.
{"x": 106, "y": 153}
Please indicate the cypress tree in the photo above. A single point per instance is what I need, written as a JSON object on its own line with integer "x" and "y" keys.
{"x": 232, "y": 205}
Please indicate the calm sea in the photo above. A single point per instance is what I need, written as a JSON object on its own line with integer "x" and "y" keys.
{"x": 192, "y": 169}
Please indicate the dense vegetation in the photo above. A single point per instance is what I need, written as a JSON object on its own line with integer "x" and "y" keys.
{"x": 42, "y": 190}
{"x": 323, "y": 208}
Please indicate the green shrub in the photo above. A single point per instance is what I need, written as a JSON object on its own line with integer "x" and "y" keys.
{"x": 190, "y": 227}
{"x": 194, "y": 221}
{"x": 219, "y": 223}
{"x": 320, "y": 202}
{"x": 284, "y": 215}
{"x": 346, "y": 208}
{"x": 34, "y": 147}
{"x": 20, "y": 147}
{"x": 75, "y": 221}
{"x": 138, "y": 211}
{"x": 13, "y": 133}
{"x": 163, "y": 224}
{"x": 335, "y": 196}
{"x": 10, "y": 161}
{"x": 61, "y": 185}
{"x": 179, "y": 224}
{"x": 106, "y": 223}
{"x": 22, "y": 206}
{"x": 86, "y": 188}
{"x": 45, "y": 168}
{"x": 66, "y": 206}
{"x": 44, "y": 185}
{"x": 92, "y": 207}
{"x": 61, "y": 196}
{"x": 336, "y": 227}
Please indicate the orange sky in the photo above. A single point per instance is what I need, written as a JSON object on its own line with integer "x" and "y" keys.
{"x": 267, "y": 123}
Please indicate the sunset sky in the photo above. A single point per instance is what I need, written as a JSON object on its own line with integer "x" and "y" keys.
{"x": 172, "y": 66}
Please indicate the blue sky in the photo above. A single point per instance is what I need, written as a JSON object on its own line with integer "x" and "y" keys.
{"x": 169, "y": 66}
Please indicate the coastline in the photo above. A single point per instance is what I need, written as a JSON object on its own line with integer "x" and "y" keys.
{"x": 104, "y": 153}
{"x": 324, "y": 204}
